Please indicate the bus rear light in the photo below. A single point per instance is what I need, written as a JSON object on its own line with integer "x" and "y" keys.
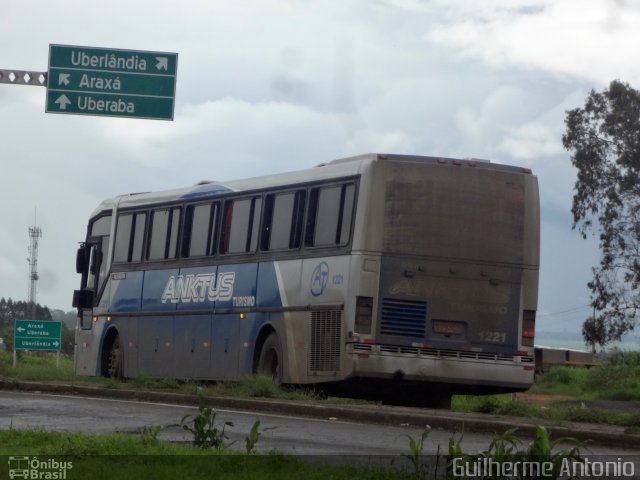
{"x": 528, "y": 327}
{"x": 364, "y": 314}
{"x": 527, "y": 170}
{"x": 527, "y": 368}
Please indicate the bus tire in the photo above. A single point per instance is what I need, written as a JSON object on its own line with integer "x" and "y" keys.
{"x": 270, "y": 359}
{"x": 115, "y": 362}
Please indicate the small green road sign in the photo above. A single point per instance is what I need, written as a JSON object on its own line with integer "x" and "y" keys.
{"x": 37, "y": 335}
{"x": 110, "y": 82}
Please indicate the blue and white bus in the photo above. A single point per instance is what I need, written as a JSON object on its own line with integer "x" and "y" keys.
{"x": 406, "y": 269}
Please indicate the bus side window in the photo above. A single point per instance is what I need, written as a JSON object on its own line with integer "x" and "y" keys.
{"x": 129, "y": 237}
{"x": 240, "y": 225}
{"x": 199, "y": 230}
{"x": 123, "y": 238}
{"x": 282, "y": 223}
{"x": 139, "y": 221}
{"x": 163, "y": 234}
{"x": 329, "y": 216}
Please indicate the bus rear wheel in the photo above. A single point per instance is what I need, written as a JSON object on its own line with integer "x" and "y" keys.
{"x": 114, "y": 360}
{"x": 270, "y": 359}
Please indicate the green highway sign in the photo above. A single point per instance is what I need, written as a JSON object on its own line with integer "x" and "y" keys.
{"x": 37, "y": 335}
{"x": 110, "y": 82}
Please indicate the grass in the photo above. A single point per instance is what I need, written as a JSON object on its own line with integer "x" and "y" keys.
{"x": 567, "y": 381}
{"x": 131, "y": 457}
{"x": 36, "y": 366}
{"x": 42, "y": 367}
{"x": 617, "y": 379}
{"x": 41, "y": 454}
{"x": 555, "y": 413}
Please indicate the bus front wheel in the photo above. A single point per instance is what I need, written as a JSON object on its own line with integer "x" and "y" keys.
{"x": 270, "y": 359}
{"x": 114, "y": 360}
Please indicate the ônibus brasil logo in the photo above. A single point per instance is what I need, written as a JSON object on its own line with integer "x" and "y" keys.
{"x": 36, "y": 469}
{"x": 198, "y": 288}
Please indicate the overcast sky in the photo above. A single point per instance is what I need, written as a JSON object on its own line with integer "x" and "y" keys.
{"x": 266, "y": 86}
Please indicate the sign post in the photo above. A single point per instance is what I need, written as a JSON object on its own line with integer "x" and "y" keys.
{"x": 111, "y": 82}
{"x": 37, "y": 335}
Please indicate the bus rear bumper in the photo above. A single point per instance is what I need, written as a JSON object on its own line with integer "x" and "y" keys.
{"x": 492, "y": 371}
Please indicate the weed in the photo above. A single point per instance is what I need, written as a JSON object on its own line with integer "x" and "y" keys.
{"x": 206, "y": 434}
{"x": 254, "y": 435}
{"x": 149, "y": 433}
{"x": 260, "y": 386}
{"x": 416, "y": 446}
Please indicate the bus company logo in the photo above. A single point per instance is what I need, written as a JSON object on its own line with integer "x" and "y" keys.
{"x": 198, "y": 288}
{"x": 36, "y": 469}
{"x": 319, "y": 279}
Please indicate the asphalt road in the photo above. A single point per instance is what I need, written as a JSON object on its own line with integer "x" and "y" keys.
{"x": 289, "y": 433}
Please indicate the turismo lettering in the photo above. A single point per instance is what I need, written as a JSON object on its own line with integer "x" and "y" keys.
{"x": 198, "y": 288}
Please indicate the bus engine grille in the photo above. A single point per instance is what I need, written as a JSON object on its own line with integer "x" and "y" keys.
{"x": 403, "y": 317}
{"x": 326, "y": 341}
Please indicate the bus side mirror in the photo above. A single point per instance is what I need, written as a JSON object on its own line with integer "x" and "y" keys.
{"x": 82, "y": 258}
{"x": 82, "y": 298}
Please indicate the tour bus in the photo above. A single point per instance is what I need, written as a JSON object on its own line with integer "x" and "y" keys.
{"x": 411, "y": 270}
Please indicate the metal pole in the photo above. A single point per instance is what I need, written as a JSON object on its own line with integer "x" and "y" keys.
{"x": 15, "y": 357}
{"x": 22, "y": 77}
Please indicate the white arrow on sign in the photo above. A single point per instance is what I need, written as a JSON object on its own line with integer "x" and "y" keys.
{"x": 20, "y": 329}
{"x": 63, "y": 101}
{"x": 163, "y": 63}
{"x": 63, "y": 79}
{"x": 55, "y": 344}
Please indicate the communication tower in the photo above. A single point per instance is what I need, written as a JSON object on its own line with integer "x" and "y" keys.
{"x": 35, "y": 233}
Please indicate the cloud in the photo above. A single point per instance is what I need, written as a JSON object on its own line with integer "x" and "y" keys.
{"x": 590, "y": 40}
{"x": 532, "y": 140}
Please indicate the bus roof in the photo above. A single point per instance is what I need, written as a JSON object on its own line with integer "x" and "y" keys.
{"x": 339, "y": 168}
